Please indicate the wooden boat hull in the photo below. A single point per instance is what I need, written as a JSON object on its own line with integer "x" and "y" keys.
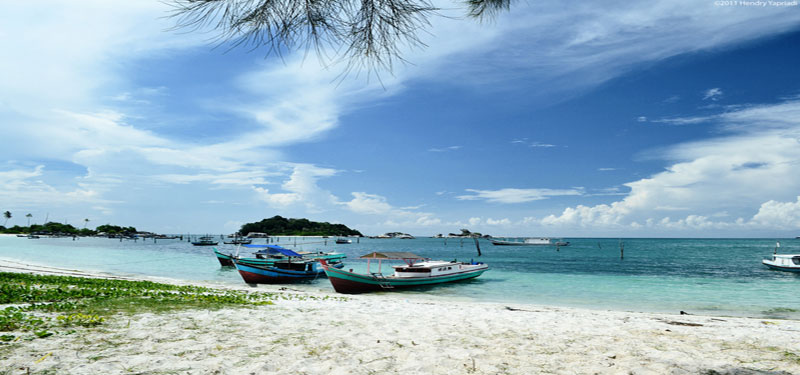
{"x": 780, "y": 268}
{"x": 353, "y": 283}
{"x": 254, "y": 274}
{"x": 225, "y": 260}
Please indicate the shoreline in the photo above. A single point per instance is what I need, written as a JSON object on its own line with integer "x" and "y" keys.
{"x": 389, "y": 334}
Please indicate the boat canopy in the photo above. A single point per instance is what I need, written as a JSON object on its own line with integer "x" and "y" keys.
{"x": 274, "y": 249}
{"x": 391, "y": 255}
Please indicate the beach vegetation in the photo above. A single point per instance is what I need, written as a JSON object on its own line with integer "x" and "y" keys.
{"x": 792, "y": 357}
{"x": 42, "y": 305}
{"x": 280, "y": 226}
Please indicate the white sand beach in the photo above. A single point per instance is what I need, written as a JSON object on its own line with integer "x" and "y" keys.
{"x": 384, "y": 334}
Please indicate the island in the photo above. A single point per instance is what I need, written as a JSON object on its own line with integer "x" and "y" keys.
{"x": 280, "y": 226}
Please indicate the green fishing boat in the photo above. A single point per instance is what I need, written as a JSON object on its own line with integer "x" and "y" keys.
{"x": 417, "y": 271}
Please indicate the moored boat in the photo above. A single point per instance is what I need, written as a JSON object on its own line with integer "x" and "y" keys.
{"x": 268, "y": 254}
{"x": 541, "y": 241}
{"x": 284, "y": 266}
{"x": 205, "y": 241}
{"x": 225, "y": 260}
{"x": 238, "y": 241}
{"x": 416, "y": 272}
{"x": 783, "y": 262}
{"x": 343, "y": 241}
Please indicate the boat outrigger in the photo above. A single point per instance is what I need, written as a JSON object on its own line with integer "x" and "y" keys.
{"x": 417, "y": 271}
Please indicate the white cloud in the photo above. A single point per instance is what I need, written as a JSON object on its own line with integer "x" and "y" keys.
{"x": 25, "y": 188}
{"x": 512, "y": 195}
{"x": 301, "y": 189}
{"x": 370, "y": 204}
{"x": 712, "y": 94}
{"x": 64, "y": 96}
{"x": 450, "y": 148}
{"x": 744, "y": 171}
{"x": 785, "y": 215}
{"x": 603, "y": 40}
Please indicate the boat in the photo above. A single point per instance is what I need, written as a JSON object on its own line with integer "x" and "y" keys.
{"x": 288, "y": 266}
{"x": 268, "y": 254}
{"x": 782, "y": 262}
{"x": 343, "y": 241}
{"x": 205, "y": 241}
{"x": 239, "y": 241}
{"x": 225, "y": 260}
{"x": 541, "y": 241}
{"x": 416, "y": 272}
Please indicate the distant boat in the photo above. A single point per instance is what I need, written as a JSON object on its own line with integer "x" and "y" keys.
{"x": 205, "y": 241}
{"x": 417, "y": 271}
{"x": 782, "y": 262}
{"x": 542, "y": 241}
{"x": 33, "y": 237}
{"x": 239, "y": 241}
{"x": 343, "y": 241}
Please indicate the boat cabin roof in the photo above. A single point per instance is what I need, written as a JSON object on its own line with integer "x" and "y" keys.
{"x": 391, "y": 255}
{"x": 274, "y": 249}
{"x": 787, "y": 255}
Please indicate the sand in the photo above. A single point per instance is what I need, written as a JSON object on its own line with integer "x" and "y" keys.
{"x": 389, "y": 333}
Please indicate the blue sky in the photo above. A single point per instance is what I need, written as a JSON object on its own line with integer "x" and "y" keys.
{"x": 658, "y": 118}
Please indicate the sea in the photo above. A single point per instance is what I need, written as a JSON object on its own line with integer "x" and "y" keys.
{"x": 719, "y": 277}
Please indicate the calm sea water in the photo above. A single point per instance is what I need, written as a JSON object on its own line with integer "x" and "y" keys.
{"x": 699, "y": 276}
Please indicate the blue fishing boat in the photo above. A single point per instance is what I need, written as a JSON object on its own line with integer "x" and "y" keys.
{"x": 268, "y": 254}
{"x": 282, "y": 265}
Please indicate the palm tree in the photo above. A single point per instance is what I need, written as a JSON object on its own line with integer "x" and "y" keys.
{"x": 85, "y": 221}
{"x": 29, "y": 216}
{"x": 7, "y": 215}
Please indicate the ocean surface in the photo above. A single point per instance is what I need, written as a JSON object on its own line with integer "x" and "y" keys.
{"x": 700, "y": 276}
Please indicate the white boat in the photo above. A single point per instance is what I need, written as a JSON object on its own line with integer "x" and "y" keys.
{"x": 541, "y": 241}
{"x": 783, "y": 262}
{"x": 343, "y": 241}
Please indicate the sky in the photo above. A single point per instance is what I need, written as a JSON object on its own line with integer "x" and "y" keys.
{"x": 593, "y": 119}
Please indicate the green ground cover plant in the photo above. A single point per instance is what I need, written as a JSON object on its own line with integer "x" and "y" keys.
{"x": 36, "y": 306}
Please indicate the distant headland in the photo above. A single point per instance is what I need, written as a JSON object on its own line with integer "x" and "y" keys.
{"x": 281, "y": 226}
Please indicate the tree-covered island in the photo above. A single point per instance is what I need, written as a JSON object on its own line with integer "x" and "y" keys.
{"x": 281, "y": 226}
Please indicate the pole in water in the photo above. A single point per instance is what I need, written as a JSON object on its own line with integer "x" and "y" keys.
{"x": 621, "y": 249}
{"x": 477, "y": 246}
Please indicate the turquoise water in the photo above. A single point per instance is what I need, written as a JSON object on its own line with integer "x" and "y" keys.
{"x": 699, "y": 276}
